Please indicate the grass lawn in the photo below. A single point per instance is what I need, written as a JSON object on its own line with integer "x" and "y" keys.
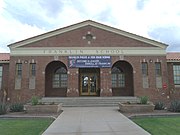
{"x": 160, "y": 125}
{"x": 34, "y": 126}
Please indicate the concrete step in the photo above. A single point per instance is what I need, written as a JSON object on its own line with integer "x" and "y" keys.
{"x": 88, "y": 101}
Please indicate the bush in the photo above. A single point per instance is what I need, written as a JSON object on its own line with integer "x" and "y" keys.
{"x": 175, "y": 106}
{"x": 159, "y": 106}
{"x": 143, "y": 100}
{"x": 3, "y": 109}
{"x": 34, "y": 100}
{"x": 17, "y": 107}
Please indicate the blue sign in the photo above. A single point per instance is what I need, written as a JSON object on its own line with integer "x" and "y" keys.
{"x": 89, "y": 61}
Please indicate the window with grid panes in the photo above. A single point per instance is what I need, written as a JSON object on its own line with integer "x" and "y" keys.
{"x": 18, "y": 70}
{"x": 118, "y": 78}
{"x": 176, "y": 73}
{"x": 33, "y": 69}
{"x": 60, "y": 78}
{"x": 157, "y": 68}
{"x": 1, "y": 71}
{"x": 144, "y": 68}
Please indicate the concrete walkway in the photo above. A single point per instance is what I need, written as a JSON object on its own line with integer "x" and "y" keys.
{"x": 93, "y": 121}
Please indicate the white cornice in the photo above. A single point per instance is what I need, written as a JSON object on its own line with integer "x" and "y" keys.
{"x": 3, "y": 62}
{"x": 66, "y": 51}
{"x": 82, "y": 24}
{"x": 173, "y": 61}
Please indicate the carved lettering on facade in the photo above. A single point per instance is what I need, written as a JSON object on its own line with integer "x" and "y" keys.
{"x": 85, "y": 52}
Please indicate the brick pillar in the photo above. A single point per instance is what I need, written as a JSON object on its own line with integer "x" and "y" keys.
{"x": 72, "y": 90}
{"x": 105, "y": 82}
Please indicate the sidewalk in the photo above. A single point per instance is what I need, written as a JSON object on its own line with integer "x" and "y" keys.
{"x": 93, "y": 121}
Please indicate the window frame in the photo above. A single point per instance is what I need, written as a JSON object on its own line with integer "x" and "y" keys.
{"x": 32, "y": 70}
{"x": 158, "y": 69}
{"x": 60, "y": 78}
{"x": 1, "y": 75}
{"x": 18, "y": 70}
{"x": 117, "y": 78}
{"x": 144, "y": 69}
{"x": 176, "y": 74}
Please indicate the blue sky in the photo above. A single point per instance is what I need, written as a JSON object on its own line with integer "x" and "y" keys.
{"x": 154, "y": 19}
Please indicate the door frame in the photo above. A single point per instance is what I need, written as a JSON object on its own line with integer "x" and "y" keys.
{"x": 89, "y": 72}
{"x": 88, "y": 93}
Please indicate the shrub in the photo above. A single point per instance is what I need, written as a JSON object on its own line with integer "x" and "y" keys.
{"x": 3, "y": 109}
{"x": 16, "y": 107}
{"x": 143, "y": 100}
{"x": 175, "y": 106}
{"x": 159, "y": 106}
{"x": 34, "y": 100}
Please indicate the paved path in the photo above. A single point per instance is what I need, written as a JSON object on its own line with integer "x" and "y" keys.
{"x": 93, "y": 121}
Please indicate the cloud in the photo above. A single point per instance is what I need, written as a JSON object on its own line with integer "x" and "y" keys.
{"x": 159, "y": 20}
{"x": 168, "y": 35}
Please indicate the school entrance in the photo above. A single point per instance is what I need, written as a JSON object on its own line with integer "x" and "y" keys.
{"x": 89, "y": 79}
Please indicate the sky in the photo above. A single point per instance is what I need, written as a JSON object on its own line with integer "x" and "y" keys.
{"x": 155, "y": 19}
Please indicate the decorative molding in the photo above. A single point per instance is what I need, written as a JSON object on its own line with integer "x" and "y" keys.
{"x": 3, "y": 62}
{"x": 66, "y": 51}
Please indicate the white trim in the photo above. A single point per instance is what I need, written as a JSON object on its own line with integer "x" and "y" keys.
{"x": 66, "y": 51}
{"x": 177, "y": 86}
{"x": 82, "y": 24}
{"x": 2, "y": 62}
{"x": 173, "y": 61}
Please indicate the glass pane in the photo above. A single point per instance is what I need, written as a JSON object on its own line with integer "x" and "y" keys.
{"x": 176, "y": 72}
{"x": 0, "y": 68}
{"x": 84, "y": 82}
{"x": 114, "y": 80}
{"x": 121, "y": 80}
{"x": 144, "y": 68}
{"x": 158, "y": 69}
{"x": 93, "y": 83}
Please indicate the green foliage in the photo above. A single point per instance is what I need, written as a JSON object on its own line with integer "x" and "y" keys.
{"x": 160, "y": 125}
{"x": 159, "y": 106}
{"x": 3, "y": 109}
{"x": 27, "y": 126}
{"x": 143, "y": 100}
{"x": 16, "y": 107}
{"x": 34, "y": 100}
{"x": 175, "y": 106}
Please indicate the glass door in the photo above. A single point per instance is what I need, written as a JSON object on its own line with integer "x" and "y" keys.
{"x": 88, "y": 84}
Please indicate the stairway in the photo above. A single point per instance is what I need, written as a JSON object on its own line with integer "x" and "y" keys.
{"x": 88, "y": 101}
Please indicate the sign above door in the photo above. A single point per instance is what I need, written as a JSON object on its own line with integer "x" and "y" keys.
{"x": 89, "y": 61}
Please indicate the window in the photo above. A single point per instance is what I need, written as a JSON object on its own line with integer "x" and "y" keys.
{"x": 118, "y": 78}
{"x": 144, "y": 69}
{"x": 176, "y": 72}
{"x": 1, "y": 70}
{"x": 158, "y": 69}
{"x": 32, "y": 69}
{"x": 60, "y": 78}
{"x": 19, "y": 70}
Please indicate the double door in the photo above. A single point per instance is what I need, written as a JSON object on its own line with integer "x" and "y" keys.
{"x": 88, "y": 84}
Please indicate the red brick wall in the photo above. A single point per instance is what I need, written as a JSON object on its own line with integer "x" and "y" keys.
{"x": 5, "y": 75}
{"x": 74, "y": 39}
{"x": 174, "y": 91}
{"x": 25, "y": 93}
{"x": 103, "y": 39}
{"x": 155, "y": 94}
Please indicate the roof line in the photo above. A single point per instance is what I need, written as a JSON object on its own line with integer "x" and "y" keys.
{"x": 82, "y": 24}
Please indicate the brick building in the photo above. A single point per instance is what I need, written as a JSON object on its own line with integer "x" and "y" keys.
{"x": 89, "y": 59}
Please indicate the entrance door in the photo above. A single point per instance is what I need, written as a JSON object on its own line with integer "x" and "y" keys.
{"x": 89, "y": 84}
